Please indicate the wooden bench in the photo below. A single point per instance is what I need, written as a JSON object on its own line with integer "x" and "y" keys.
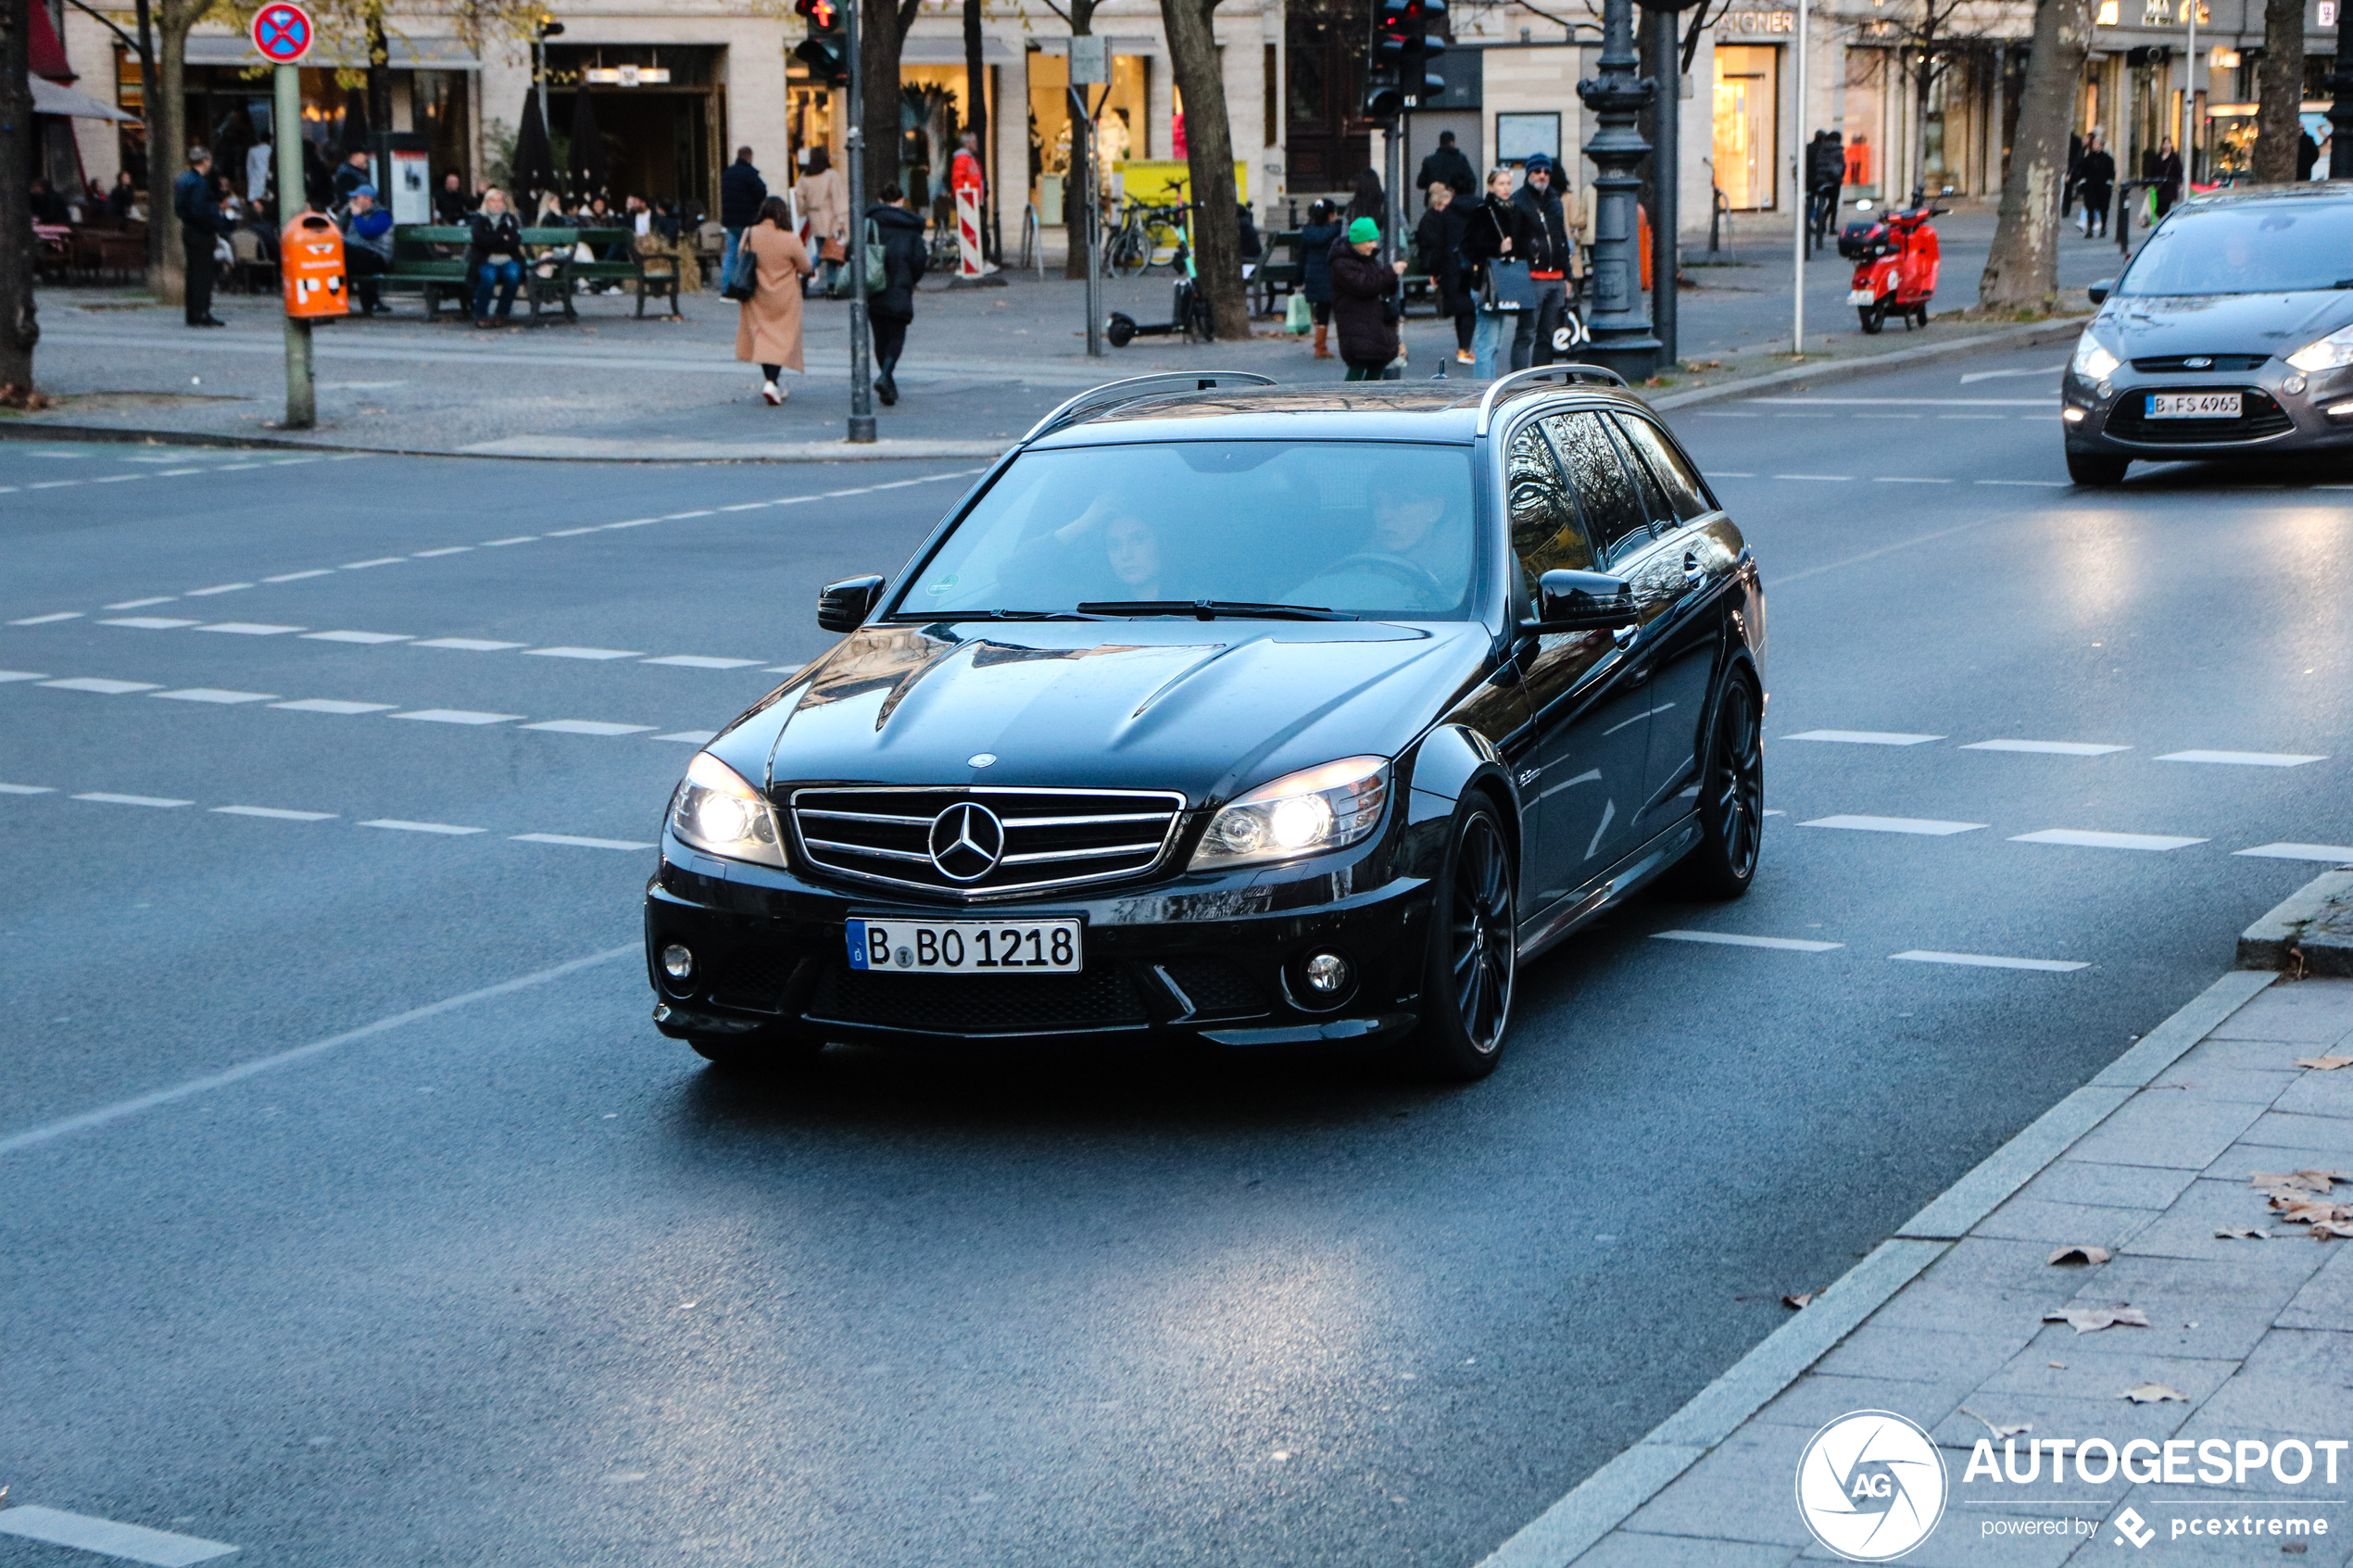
{"x": 429, "y": 259}
{"x": 1275, "y": 280}
{"x": 623, "y": 265}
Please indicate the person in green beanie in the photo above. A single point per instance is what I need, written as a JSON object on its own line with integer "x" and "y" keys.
{"x": 1361, "y": 301}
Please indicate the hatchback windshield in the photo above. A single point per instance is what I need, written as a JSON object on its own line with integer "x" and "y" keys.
{"x": 1378, "y": 531}
{"x": 2268, "y": 247}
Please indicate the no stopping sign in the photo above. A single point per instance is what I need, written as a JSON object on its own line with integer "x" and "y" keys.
{"x": 282, "y": 33}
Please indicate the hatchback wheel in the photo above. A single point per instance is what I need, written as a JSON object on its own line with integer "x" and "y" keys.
{"x": 1731, "y": 798}
{"x": 2095, "y": 470}
{"x": 1474, "y": 951}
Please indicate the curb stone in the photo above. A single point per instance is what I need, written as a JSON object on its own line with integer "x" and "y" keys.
{"x": 2314, "y": 923}
{"x": 2031, "y": 335}
{"x": 1611, "y": 1495}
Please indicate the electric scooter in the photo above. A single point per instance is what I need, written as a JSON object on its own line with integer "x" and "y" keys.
{"x": 1895, "y": 259}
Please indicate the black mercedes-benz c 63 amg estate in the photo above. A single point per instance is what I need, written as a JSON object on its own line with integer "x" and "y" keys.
{"x": 1262, "y": 715}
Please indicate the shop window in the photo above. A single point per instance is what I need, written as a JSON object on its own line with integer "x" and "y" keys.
{"x": 1747, "y": 127}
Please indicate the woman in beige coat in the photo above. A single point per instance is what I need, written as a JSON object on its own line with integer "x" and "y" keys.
{"x": 824, "y": 206}
{"x": 768, "y": 330}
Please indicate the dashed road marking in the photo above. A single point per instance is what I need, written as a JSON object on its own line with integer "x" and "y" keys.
{"x": 147, "y": 622}
{"x": 1924, "y": 825}
{"x": 587, "y": 727}
{"x": 276, "y": 813}
{"x": 1825, "y": 478}
{"x": 142, "y": 603}
{"x": 2035, "y": 484}
{"x": 27, "y": 789}
{"x": 380, "y": 561}
{"x": 467, "y": 644}
{"x": 444, "y": 551}
{"x": 7, "y": 675}
{"x": 2047, "y": 747}
{"x": 218, "y": 588}
{"x": 691, "y": 738}
{"x": 396, "y": 826}
{"x": 2081, "y": 839}
{"x": 699, "y": 662}
{"x": 329, "y": 705}
{"x": 298, "y": 576}
{"x": 518, "y": 539}
{"x": 1865, "y": 737}
{"x": 45, "y": 619}
{"x": 369, "y": 638}
{"x": 458, "y": 716}
{"x": 2242, "y": 758}
{"x": 213, "y": 694}
{"x": 2340, "y": 854}
{"x": 103, "y": 687}
{"x": 249, "y": 629}
{"x": 1730, "y": 939}
{"x": 134, "y": 1543}
{"x": 1900, "y": 478}
{"x": 585, "y": 653}
{"x": 105, "y": 798}
{"x": 1987, "y": 960}
{"x": 578, "y": 843}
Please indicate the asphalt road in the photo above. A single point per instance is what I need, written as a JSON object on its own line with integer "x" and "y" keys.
{"x": 515, "y": 1280}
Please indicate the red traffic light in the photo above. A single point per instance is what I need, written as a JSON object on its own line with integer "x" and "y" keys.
{"x": 821, "y": 12}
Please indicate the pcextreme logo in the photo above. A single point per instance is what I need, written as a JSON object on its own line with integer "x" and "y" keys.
{"x": 1871, "y": 1485}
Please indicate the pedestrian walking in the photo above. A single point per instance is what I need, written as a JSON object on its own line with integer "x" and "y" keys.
{"x": 1825, "y": 172}
{"x": 741, "y": 189}
{"x": 2166, "y": 170}
{"x": 2068, "y": 192}
{"x": 1363, "y": 301}
{"x": 825, "y": 208}
{"x": 494, "y": 258}
{"x": 201, "y": 227}
{"x": 1496, "y": 230}
{"x": 2308, "y": 154}
{"x": 1551, "y": 257}
{"x": 123, "y": 199}
{"x": 1449, "y": 168}
{"x": 1316, "y": 237}
{"x": 900, "y": 234}
{"x": 767, "y": 324}
{"x": 2095, "y": 182}
{"x": 367, "y": 249}
{"x": 1438, "y": 240}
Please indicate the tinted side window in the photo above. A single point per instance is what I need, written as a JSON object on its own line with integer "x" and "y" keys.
{"x": 1684, "y": 491}
{"x": 1614, "y": 513}
{"x": 1547, "y": 535}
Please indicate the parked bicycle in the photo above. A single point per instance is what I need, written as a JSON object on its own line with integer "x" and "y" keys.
{"x": 1147, "y": 235}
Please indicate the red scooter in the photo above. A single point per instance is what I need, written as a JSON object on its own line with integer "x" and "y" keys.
{"x": 1895, "y": 257}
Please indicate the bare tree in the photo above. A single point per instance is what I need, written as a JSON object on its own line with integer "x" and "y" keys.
{"x": 18, "y": 329}
{"x": 881, "y": 38}
{"x": 168, "y": 138}
{"x": 2022, "y": 269}
{"x": 2279, "y": 90}
{"x": 1209, "y": 155}
{"x": 1931, "y": 37}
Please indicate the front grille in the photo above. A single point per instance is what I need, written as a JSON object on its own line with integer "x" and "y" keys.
{"x": 978, "y": 1004}
{"x": 1215, "y": 986}
{"x": 1052, "y": 837}
{"x": 752, "y": 978}
{"x": 2174, "y": 364}
{"x": 2258, "y": 416}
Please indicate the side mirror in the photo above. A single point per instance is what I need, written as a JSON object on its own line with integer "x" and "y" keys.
{"x": 2101, "y": 290}
{"x": 1584, "y": 601}
{"x": 844, "y": 606}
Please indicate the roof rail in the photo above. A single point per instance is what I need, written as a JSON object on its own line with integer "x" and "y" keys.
{"x": 1112, "y": 393}
{"x": 1516, "y": 379}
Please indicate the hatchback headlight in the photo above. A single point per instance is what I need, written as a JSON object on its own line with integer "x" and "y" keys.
{"x": 1302, "y": 813}
{"x": 2332, "y": 352}
{"x": 2093, "y": 362}
{"x": 716, "y": 810}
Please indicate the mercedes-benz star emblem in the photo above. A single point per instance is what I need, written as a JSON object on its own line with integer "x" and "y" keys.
{"x": 967, "y": 842}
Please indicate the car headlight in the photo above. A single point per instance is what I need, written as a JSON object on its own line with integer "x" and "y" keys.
{"x": 716, "y": 810}
{"x": 1302, "y": 813}
{"x": 2093, "y": 362}
{"x": 2331, "y": 353}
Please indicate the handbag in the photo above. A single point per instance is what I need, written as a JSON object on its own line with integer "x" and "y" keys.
{"x": 1298, "y": 316}
{"x": 877, "y": 260}
{"x": 742, "y": 279}
{"x": 832, "y": 250}
{"x": 1509, "y": 287}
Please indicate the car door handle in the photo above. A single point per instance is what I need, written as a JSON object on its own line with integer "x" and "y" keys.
{"x": 1624, "y": 635}
{"x": 1693, "y": 575}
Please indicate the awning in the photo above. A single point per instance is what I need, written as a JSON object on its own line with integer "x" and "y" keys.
{"x": 50, "y": 99}
{"x": 48, "y": 54}
{"x": 934, "y": 49}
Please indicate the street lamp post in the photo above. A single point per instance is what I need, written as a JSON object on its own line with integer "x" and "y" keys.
{"x": 862, "y": 392}
{"x": 1620, "y": 323}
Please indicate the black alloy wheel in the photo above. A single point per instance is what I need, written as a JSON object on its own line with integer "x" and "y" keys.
{"x": 1731, "y": 796}
{"x": 2097, "y": 470}
{"x": 760, "y": 1050}
{"x": 1474, "y": 952}
{"x": 1873, "y": 318}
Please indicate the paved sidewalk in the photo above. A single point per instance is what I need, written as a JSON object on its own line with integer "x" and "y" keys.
{"x": 2168, "y": 1180}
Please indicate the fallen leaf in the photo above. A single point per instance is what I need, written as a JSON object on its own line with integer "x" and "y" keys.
{"x": 2091, "y": 1320}
{"x": 2239, "y": 1232}
{"x": 1797, "y": 1302}
{"x": 2324, "y": 1063}
{"x": 1999, "y": 1429}
{"x": 2302, "y": 1181}
{"x": 2150, "y": 1393}
{"x": 2079, "y": 1255}
{"x": 2333, "y": 1230}
{"x": 2310, "y": 1211}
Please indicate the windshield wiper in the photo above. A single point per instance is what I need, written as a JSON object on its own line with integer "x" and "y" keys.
{"x": 1209, "y": 609}
{"x": 1000, "y": 615}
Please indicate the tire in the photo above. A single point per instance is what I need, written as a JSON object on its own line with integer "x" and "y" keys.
{"x": 2095, "y": 470}
{"x": 1731, "y": 796}
{"x": 762, "y": 1051}
{"x": 1473, "y": 961}
{"x": 1873, "y": 318}
{"x": 1920, "y": 315}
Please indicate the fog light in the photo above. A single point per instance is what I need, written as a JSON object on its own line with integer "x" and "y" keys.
{"x": 2106, "y": 389}
{"x": 2292, "y": 386}
{"x": 676, "y": 962}
{"x": 1325, "y": 974}
{"x": 2072, "y": 416}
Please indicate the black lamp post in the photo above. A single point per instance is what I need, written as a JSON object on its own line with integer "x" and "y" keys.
{"x": 1620, "y": 318}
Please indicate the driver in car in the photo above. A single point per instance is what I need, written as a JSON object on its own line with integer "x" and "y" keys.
{"x": 1416, "y": 555}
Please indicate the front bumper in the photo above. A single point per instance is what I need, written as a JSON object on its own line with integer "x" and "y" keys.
{"x": 1209, "y": 957}
{"x": 2281, "y": 411}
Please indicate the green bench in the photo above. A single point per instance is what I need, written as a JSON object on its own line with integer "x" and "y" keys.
{"x": 1275, "y": 280}
{"x": 429, "y": 259}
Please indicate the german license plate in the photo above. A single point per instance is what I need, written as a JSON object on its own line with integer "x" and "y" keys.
{"x": 1862, "y": 297}
{"x": 2194, "y": 405}
{"x": 967, "y": 946}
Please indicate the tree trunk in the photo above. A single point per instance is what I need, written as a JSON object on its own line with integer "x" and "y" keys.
{"x": 2022, "y": 269}
{"x": 976, "y": 117}
{"x": 2279, "y": 90}
{"x": 881, "y": 38}
{"x": 19, "y": 331}
{"x": 1082, "y": 22}
{"x": 168, "y": 141}
{"x": 1209, "y": 154}
{"x": 380, "y": 87}
{"x": 147, "y": 83}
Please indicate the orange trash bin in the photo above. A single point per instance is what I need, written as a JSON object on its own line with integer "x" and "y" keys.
{"x": 310, "y": 264}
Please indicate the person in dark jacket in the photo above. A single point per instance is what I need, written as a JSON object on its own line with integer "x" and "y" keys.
{"x": 741, "y": 192}
{"x": 367, "y": 250}
{"x": 201, "y": 226}
{"x": 1494, "y": 230}
{"x": 1549, "y": 262}
{"x": 1361, "y": 289}
{"x": 2308, "y": 153}
{"x": 123, "y": 198}
{"x": 2166, "y": 170}
{"x": 1437, "y": 241}
{"x": 1449, "y": 168}
{"x": 900, "y": 234}
{"x": 2095, "y": 182}
{"x": 349, "y": 176}
{"x": 449, "y": 202}
{"x": 494, "y": 256}
{"x": 1369, "y": 202}
{"x": 1315, "y": 240}
{"x": 1825, "y": 174}
{"x": 2074, "y": 174}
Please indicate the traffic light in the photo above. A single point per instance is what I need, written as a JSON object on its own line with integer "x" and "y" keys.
{"x": 1405, "y": 38}
{"x": 827, "y": 50}
{"x": 1425, "y": 26}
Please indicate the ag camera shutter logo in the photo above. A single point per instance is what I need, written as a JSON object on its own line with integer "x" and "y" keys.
{"x": 1871, "y": 1485}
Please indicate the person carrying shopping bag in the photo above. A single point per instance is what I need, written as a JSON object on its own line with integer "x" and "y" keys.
{"x": 1495, "y": 243}
{"x": 768, "y": 323}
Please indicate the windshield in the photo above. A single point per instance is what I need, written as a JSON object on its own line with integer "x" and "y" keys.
{"x": 1371, "y": 530}
{"x": 2272, "y": 247}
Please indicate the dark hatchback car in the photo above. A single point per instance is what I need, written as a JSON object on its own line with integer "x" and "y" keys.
{"x": 2229, "y": 335}
{"x": 1258, "y": 715}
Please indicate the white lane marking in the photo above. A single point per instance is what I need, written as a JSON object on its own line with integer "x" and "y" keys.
{"x": 106, "y": 1537}
{"x": 1897, "y": 478}
{"x": 2047, "y": 747}
{"x": 27, "y": 789}
{"x": 570, "y": 532}
{"x": 396, "y": 826}
{"x": 276, "y": 813}
{"x": 467, "y": 644}
{"x": 444, "y": 551}
{"x": 585, "y": 653}
{"x": 380, "y": 561}
{"x": 690, "y": 737}
{"x": 59, "y": 457}
{"x": 1972, "y": 415}
{"x": 1998, "y": 375}
{"x": 298, "y": 576}
{"x": 518, "y": 539}
{"x": 2036, "y": 483}
{"x": 1825, "y": 478}
{"x": 235, "y": 467}
{"x": 1726, "y": 939}
{"x": 744, "y": 507}
{"x": 370, "y": 638}
{"x": 783, "y": 669}
{"x": 7, "y": 675}
{"x": 53, "y": 484}
{"x": 2339, "y": 853}
{"x": 213, "y": 694}
{"x": 147, "y": 622}
{"x": 2085, "y": 840}
{"x": 45, "y": 620}
{"x": 1986, "y": 960}
{"x": 697, "y": 661}
{"x": 2242, "y": 758}
{"x": 1865, "y": 737}
{"x": 329, "y": 705}
{"x": 578, "y": 843}
{"x": 249, "y": 628}
{"x": 103, "y": 687}
{"x": 188, "y": 1088}
{"x": 106, "y": 798}
{"x": 1732, "y": 473}
{"x": 142, "y": 603}
{"x": 674, "y": 517}
{"x": 588, "y": 727}
{"x": 1925, "y": 825}
{"x": 175, "y": 473}
{"x": 632, "y": 522}
{"x": 458, "y": 716}
{"x": 218, "y": 588}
